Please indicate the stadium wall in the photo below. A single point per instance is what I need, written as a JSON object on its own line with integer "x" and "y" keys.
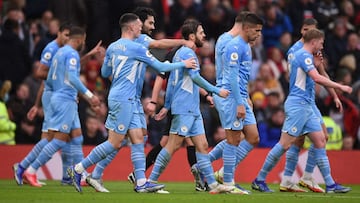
{"x": 344, "y": 166}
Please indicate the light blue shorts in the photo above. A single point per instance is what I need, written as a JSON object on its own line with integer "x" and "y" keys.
{"x": 64, "y": 116}
{"x": 227, "y": 110}
{"x": 45, "y": 100}
{"x": 138, "y": 121}
{"x": 120, "y": 116}
{"x": 187, "y": 125}
{"x": 317, "y": 113}
{"x": 300, "y": 118}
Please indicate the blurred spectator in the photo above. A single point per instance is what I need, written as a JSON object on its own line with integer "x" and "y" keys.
{"x": 276, "y": 23}
{"x": 277, "y": 62}
{"x": 91, "y": 132}
{"x": 327, "y": 11}
{"x": 14, "y": 57}
{"x": 258, "y": 100}
{"x": 93, "y": 80}
{"x": 348, "y": 143}
{"x": 285, "y": 43}
{"x": 18, "y": 106}
{"x": 273, "y": 102}
{"x": 271, "y": 84}
{"x": 298, "y": 10}
{"x": 353, "y": 48}
{"x": 335, "y": 45}
{"x": 50, "y": 35}
{"x": 179, "y": 12}
{"x": 270, "y": 131}
{"x": 69, "y": 11}
{"x": 44, "y": 24}
{"x": 33, "y": 83}
{"x": 7, "y": 127}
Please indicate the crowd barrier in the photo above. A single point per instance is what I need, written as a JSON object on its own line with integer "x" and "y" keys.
{"x": 344, "y": 166}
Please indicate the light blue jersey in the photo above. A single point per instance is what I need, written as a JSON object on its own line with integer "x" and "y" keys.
{"x": 302, "y": 86}
{"x": 47, "y": 56}
{"x": 237, "y": 65}
{"x": 181, "y": 93}
{"x": 219, "y": 51}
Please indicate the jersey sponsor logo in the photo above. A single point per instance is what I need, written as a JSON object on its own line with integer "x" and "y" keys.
{"x": 47, "y": 55}
{"x": 308, "y": 61}
{"x": 73, "y": 61}
{"x": 184, "y": 129}
{"x": 121, "y": 127}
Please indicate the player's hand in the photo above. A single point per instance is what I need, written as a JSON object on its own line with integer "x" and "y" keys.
{"x": 32, "y": 113}
{"x": 240, "y": 111}
{"x": 94, "y": 101}
{"x": 224, "y": 93}
{"x": 191, "y": 63}
{"x": 346, "y": 89}
{"x": 96, "y": 49}
{"x": 161, "y": 115}
{"x": 338, "y": 104}
{"x": 150, "y": 108}
{"x": 318, "y": 60}
{"x": 190, "y": 44}
{"x": 210, "y": 100}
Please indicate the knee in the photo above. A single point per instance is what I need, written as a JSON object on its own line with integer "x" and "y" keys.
{"x": 254, "y": 140}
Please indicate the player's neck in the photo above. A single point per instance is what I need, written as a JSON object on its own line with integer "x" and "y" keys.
{"x": 127, "y": 35}
{"x": 235, "y": 30}
{"x": 308, "y": 48}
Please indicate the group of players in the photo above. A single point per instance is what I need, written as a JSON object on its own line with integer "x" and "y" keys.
{"x": 125, "y": 63}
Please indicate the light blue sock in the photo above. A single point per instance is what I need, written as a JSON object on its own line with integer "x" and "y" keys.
{"x": 101, "y": 165}
{"x": 76, "y": 148}
{"x": 217, "y": 152}
{"x": 242, "y": 151}
{"x": 34, "y": 153}
{"x": 204, "y": 164}
{"x": 229, "y": 158}
{"x": 310, "y": 162}
{"x": 292, "y": 157}
{"x": 271, "y": 160}
{"x": 138, "y": 160}
{"x": 49, "y": 150}
{"x": 99, "y": 153}
{"x": 162, "y": 160}
{"x": 67, "y": 159}
{"x": 323, "y": 163}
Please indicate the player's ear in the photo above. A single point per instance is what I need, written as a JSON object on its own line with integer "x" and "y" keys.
{"x": 192, "y": 36}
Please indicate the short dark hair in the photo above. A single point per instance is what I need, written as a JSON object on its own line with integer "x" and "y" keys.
{"x": 241, "y": 15}
{"x": 144, "y": 13}
{"x": 310, "y": 21}
{"x": 313, "y": 34}
{"x": 11, "y": 24}
{"x": 75, "y": 31}
{"x": 65, "y": 26}
{"x": 189, "y": 27}
{"x": 252, "y": 18}
{"x": 127, "y": 18}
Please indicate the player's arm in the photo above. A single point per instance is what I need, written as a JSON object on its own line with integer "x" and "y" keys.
{"x": 314, "y": 74}
{"x": 95, "y": 50}
{"x": 151, "y": 106}
{"x": 170, "y": 43}
{"x": 34, "y": 109}
{"x": 42, "y": 71}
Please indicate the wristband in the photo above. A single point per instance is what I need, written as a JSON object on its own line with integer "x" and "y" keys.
{"x": 152, "y": 102}
{"x": 89, "y": 94}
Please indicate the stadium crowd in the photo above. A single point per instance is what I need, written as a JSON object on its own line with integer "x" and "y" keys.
{"x": 28, "y": 25}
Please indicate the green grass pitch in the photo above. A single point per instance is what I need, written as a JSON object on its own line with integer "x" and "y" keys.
{"x": 180, "y": 193}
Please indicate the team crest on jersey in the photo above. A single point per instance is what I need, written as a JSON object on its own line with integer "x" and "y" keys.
{"x": 234, "y": 56}
{"x": 73, "y": 61}
{"x": 184, "y": 129}
{"x": 148, "y": 54}
{"x": 293, "y": 129}
{"x": 47, "y": 55}
{"x": 121, "y": 127}
{"x": 308, "y": 61}
{"x": 236, "y": 124}
{"x": 64, "y": 127}
{"x": 290, "y": 56}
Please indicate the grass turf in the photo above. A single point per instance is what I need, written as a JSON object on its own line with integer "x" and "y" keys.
{"x": 180, "y": 193}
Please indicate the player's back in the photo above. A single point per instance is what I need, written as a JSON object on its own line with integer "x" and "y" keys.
{"x": 237, "y": 54}
{"x": 185, "y": 95}
{"x": 219, "y": 51}
{"x": 47, "y": 56}
{"x": 302, "y": 86}
{"x": 66, "y": 60}
{"x": 122, "y": 65}
{"x": 295, "y": 47}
